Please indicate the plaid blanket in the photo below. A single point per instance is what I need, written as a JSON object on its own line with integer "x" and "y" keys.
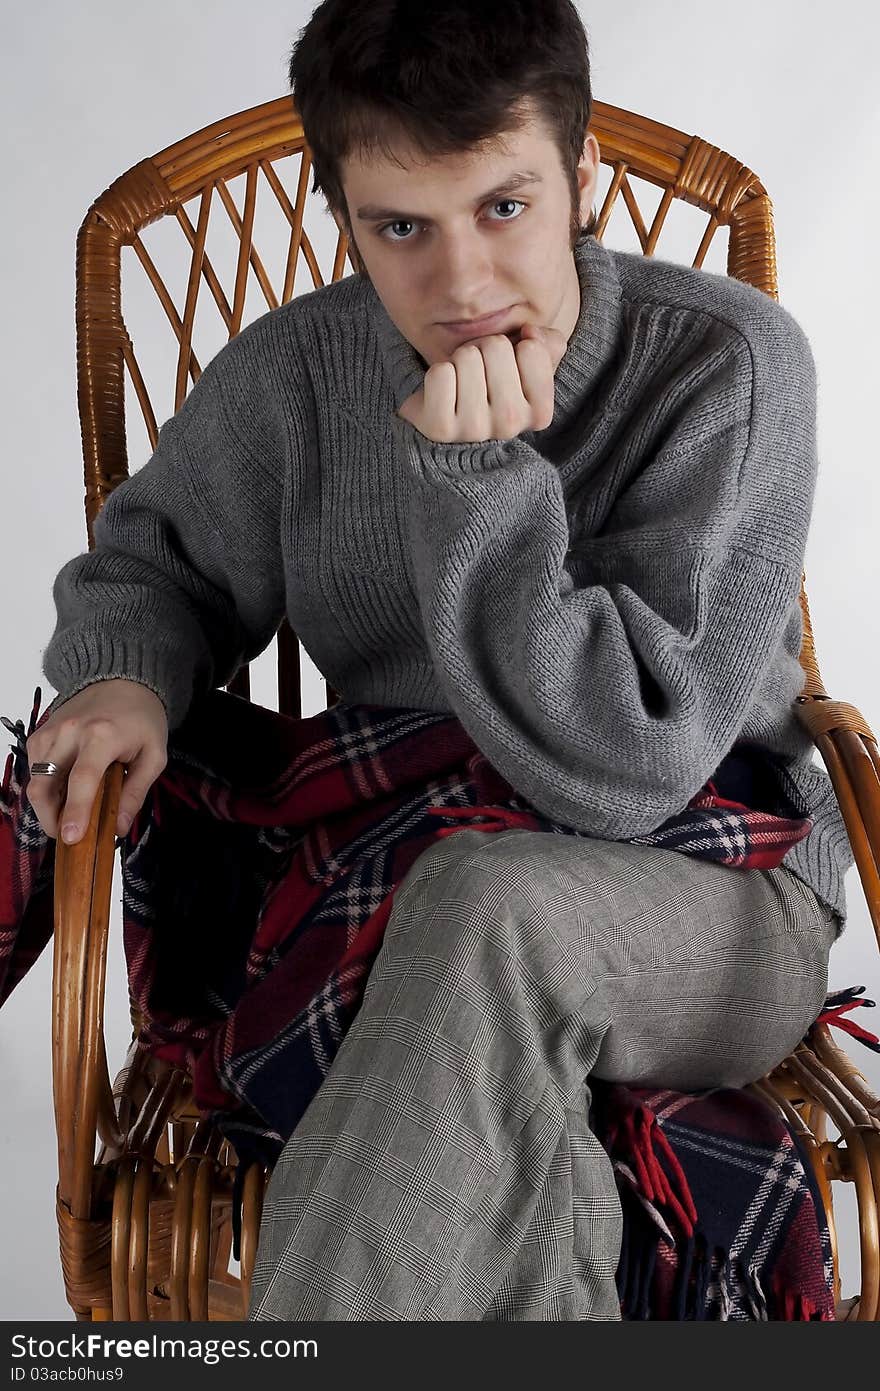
{"x": 257, "y": 881}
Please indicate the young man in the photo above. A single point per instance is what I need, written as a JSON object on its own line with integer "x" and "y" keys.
{"x": 579, "y": 526}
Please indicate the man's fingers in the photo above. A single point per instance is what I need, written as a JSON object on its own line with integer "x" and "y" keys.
{"x": 553, "y": 339}
{"x": 64, "y": 801}
{"x": 142, "y": 773}
{"x": 536, "y": 375}
{"x": 46, "y": 792}
{"x": 439, "y": 401}
{"x": 83, "y": 782}
{"x": 471, "y": 408}
{"x": 46, "y": 796}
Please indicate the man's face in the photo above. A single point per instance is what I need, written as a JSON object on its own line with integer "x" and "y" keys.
{"x": 460, "y": 237}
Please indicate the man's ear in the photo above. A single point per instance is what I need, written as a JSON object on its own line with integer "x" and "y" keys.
{"x": 588, "y": 176}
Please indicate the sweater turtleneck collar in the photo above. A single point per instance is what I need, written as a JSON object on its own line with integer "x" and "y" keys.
{"x": 589, "y": 349}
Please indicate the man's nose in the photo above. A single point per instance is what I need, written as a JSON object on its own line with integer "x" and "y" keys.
{"x": 464, "y": 275}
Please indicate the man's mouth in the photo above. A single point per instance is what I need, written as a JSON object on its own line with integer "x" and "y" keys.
{"x": 481, "y": 328}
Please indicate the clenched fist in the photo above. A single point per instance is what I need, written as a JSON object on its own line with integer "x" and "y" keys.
{"x": 489, "y": 389}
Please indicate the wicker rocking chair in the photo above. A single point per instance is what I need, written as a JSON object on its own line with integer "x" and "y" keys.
{"x": 145, "y": 1222}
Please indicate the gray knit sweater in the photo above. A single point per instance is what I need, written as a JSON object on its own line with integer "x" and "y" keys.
{"x": 606, "y": 605}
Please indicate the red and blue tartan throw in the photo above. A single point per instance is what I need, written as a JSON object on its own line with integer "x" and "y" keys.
{"x": 257, "y": 881}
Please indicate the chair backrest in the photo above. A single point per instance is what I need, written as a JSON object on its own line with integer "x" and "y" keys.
{"x": 260, "y": 146}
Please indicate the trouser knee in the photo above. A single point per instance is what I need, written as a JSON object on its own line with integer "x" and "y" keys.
{"x": 471, "y": 951}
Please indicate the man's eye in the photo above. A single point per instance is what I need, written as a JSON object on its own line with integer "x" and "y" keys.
{"x": 400, "y": 223}
{"x": 403, "y": 222}
{"x": 502, "y": 202}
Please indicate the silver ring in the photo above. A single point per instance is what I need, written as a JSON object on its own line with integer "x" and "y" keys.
{"x": 43, "y": 769}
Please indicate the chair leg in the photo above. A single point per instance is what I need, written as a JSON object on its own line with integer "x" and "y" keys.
{"x": 222, "y": 1251}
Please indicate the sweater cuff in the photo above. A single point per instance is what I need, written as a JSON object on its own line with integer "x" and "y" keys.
{"x": 436, "y": 461}
{"x": 64, "y": 696}
{"x": 91, "y": 655}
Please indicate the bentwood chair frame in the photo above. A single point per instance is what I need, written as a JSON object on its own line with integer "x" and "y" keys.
{"x": 144, "y": 1224}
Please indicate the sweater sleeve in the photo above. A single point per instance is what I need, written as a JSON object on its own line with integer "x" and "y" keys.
{"x": 185, "y": 581}
{"x": 606, "y": 676}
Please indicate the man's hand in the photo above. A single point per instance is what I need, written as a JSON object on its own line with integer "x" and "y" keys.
{"x": 489, "y": 388}
{"x": 109, "y": 721}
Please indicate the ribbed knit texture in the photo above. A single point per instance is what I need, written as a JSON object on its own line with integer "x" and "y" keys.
{"x": 606, "y": 605}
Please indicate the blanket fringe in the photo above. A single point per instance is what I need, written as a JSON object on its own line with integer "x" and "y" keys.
{"x": 754, "y": 1294}
{"x": 638, "y": 1258}
{"x": 841, "y": 1002}
{"x": 707, "y": 1283}
{"x": 17, "y": 760}
{"x": 724, "y": 1278}
{"x": 642, "y": 1136}
{"x": 796, "y": 1307}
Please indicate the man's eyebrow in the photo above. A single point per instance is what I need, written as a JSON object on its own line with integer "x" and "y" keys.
{"x": 370, "y": 213}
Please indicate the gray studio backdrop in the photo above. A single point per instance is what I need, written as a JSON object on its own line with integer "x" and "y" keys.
{"x": 91, "y": 89}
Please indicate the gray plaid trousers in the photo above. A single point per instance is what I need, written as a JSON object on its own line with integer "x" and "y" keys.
{"x": 446, "y": 1168}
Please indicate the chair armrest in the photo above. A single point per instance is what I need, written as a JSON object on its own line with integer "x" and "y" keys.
{"x": 83, "y": 1097}
{"x": 849, "y": 749}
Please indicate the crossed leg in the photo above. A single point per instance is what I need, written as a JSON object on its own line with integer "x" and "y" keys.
{"x": 446, "y": 1169}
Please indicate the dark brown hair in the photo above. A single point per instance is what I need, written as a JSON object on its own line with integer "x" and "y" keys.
{"x": 445, "y": 75}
